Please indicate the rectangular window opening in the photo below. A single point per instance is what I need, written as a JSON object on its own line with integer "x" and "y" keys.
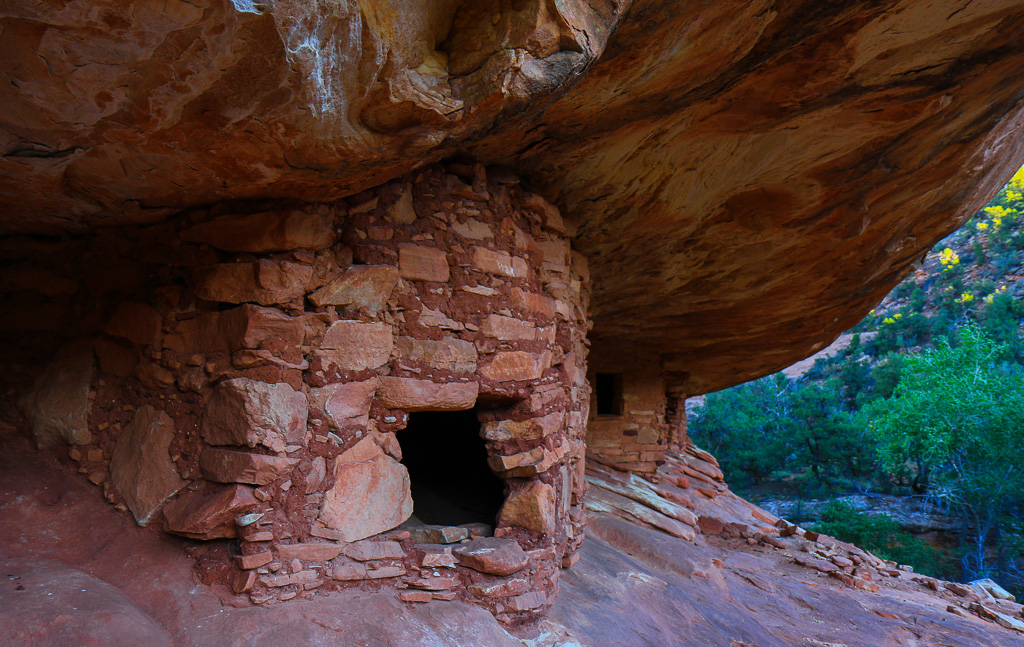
{"x": 608, "y": 389}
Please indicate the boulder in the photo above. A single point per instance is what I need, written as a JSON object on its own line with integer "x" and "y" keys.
{"x": 141, "y": 468}
{"x": 345, "y": 403}
{"x": 369, "y": 495}
{"x": 532, "y": 507}
{"x": 57, "y": 406}
{"x": 243, "y": 411}
{"x": 208, "y": 513}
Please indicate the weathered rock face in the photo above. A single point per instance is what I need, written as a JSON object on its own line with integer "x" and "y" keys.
{"x": 634, "y": 584}
{"x": 230, "y": 98}
{"x": 57, "y": 407}
{"x": 747, "y": 175}
{"x": 754, "y": 176}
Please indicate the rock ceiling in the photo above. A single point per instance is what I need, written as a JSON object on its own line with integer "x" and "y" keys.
{"x": 748, "y": 177}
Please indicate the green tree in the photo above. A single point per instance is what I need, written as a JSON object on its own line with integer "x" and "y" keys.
{"x": 743, "y": 426}
{"x": 957, "y": 417}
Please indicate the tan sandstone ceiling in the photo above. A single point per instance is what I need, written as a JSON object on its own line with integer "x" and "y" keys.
{"x": 749, "y": 177}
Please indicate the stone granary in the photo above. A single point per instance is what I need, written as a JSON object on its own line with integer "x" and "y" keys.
{"x": 361, "y": 286}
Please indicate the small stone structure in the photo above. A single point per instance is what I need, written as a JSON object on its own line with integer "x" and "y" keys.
{"x": 637, "y": 408}
{"x": 251, "y": 386}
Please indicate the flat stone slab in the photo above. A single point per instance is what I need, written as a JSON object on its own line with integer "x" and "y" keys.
{"x": 411, "y": 394}
{"x": 438, "y": 534}
{"x": 210, "y": 513}
{"x": 492, "y": 555}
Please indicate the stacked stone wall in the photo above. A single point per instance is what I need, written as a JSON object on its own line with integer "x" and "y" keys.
{"x": 251, "y": 385}
{"x": 636, "y": 439}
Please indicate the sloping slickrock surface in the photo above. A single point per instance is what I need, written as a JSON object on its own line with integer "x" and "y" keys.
{"x": 633, "y": 586}
{"x": 751, "y": 176}
{"x": 49, "y": 603}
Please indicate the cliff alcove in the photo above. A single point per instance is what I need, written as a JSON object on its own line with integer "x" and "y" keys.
{"x": 256, "y": 255}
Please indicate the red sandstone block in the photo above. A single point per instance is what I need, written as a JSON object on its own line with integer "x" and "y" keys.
{"x": 248, "y": 533}
{"x": 446, "y": 595}
{"x": 319, "y": 552}
{"x": 499, "y": 263}
{"x": 230, "y": 466}
{"x": 415, "y": 596}
{"x": 420, "y": 263}
{"x": 244, "y": 580}
{"x": 254, "y": 561}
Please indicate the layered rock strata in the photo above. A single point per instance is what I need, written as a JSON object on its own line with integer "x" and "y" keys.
{"x": 252, "y": 385}
{"x": 752, "y": 177}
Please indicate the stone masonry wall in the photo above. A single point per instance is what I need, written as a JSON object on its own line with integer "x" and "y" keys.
{"x": 248, "y": 382}
{"x": 637, "y": 439}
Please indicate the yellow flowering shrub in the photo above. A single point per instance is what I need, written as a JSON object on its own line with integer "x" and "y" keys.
{"x": 949, "y": 258}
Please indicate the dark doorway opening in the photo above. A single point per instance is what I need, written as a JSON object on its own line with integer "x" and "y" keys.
{"x": 608, "y": 392}
{"x": 447, "y": 462}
